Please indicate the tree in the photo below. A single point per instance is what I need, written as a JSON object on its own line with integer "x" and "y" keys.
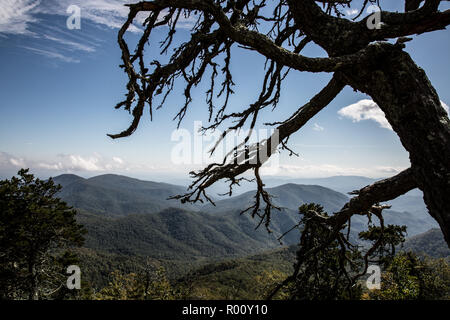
{"x": 334, "y": 268}
{"x": 409, "y": 277}
{"x": 151, "y": 285}
{"x": 122, "y": 287}
{"x": 37, "y": 230}
{"x": 359, "y": 56}
{"x": 264, "y": 284}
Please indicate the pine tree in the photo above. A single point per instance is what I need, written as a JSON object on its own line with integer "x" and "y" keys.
{"x": 37, "y": 231}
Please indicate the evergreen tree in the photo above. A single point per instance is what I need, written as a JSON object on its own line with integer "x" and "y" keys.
{"x": 37, "y": 230}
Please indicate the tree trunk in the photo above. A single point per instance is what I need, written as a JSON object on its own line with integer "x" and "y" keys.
{"x": 403, "y": 92}
{"x": 412, "y": 107}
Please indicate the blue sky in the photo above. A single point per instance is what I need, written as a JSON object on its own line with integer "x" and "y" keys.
{"x": 58, "y": 88}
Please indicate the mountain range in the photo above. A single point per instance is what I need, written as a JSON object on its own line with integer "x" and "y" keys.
{"x": 431, "y": 243}
{"x": 133, "y": 217}
{"x": 117, "y": 195}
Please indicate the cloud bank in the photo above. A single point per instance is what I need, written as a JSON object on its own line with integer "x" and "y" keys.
{"x": 66, "y": 163}
{"x": 50, "y": 37}
{"x": 98, "y": 164}
{"x": 16, "y": 15}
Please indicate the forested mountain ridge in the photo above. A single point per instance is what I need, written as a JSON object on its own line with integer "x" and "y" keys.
{"x": 214, "y": 245}
{"x": 431, "y": 243}
{"x": 289, "y": 196}
{"x": 118, "y": 195}
{"x": 129, "y": 216}
{"x": 175, "y": 234}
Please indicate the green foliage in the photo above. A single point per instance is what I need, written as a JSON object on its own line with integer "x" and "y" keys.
{"x": 157, "y": 287}
{"x": 176, "y": 234}
{"x": 391, "y": 237}
{"x": 36, "y": 231}
{"x": 328, "y": 265}
{"x": 266, "y": 282}
{"x": 132, "y": 217}
{"x": 98, "y": 265}
{"x": 409, "y": 277}
{"x": 247, "y": 278}
{"x": 325, "y": 275}
{"x": 252, "y": 277}
{"x": 184, "y": 249}
{"x": 144, "y": 286}
{"x": 398, "y": 283}
{"x": 122, "y": 287}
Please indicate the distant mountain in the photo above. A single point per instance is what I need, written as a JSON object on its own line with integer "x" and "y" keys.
{"x": 342, "y": 184}
{"x": 431, "y": 243}
{"x": 66, "y": 179}
{"x": 133, "y": 217}
{"x": 176, "y": 234}
{"x": 407, "y": 209}
{"x": 289, "y": 196}
{"x": 118, "y": 195}
{"x": 410, "y": 202}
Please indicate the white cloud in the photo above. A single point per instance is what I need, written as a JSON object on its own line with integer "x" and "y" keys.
{"x": 118, "y": 160}
{"x": 365, "y": 110}
{"x": 65, "y": 163}
{"x": 15, "y": 16}
{"x": 111, "y": 13}
{"x": 78, "y": 163}
{"x": 19, "y": 17}
{"x": 73, "y": 44}
{"x": 83, "y": 164}
{"x": 17, "y": 162}
{"x": 97, "y": 164}
{"x": 74, "y": 162}
{"x": 9, "y": 161}
{"x": 316, "y": 127}
{"x": 52, "y": 54}
{"x": 368, "y": 110}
